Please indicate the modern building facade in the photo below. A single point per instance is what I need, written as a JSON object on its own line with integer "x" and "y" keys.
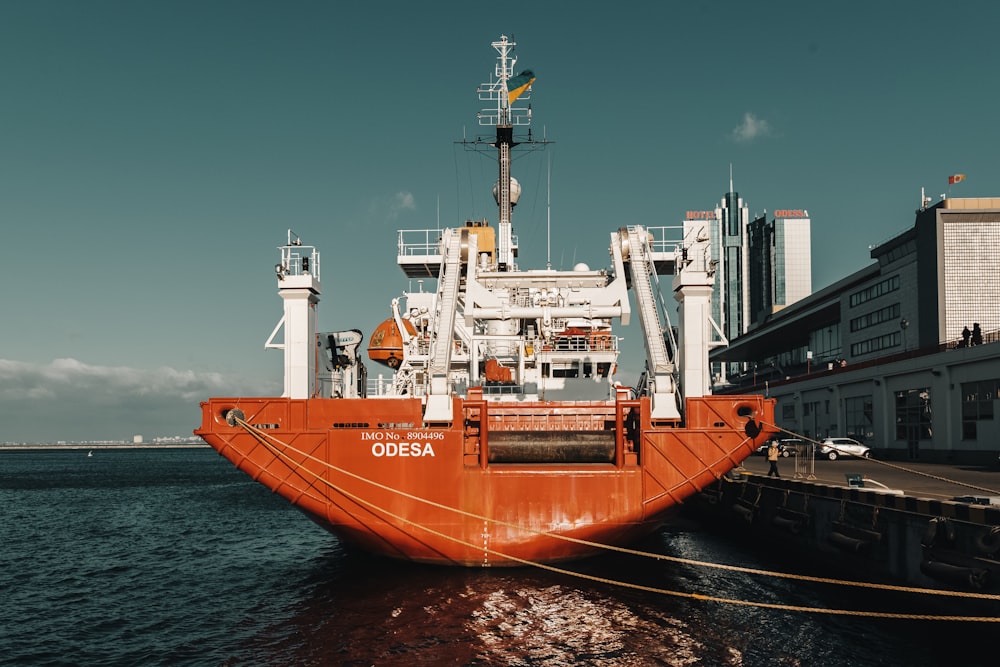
{"x": 760, "y": 266}
{"x": 727, "y": 226}
{"x": 780, "y": 262}
{"x": 733, "y": 271}
{"x": 900, "y": 355}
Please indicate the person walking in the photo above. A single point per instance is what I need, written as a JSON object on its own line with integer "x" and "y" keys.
{"x": 772, "y": 458}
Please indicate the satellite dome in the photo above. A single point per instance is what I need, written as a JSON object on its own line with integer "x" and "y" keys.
{"x": 515, "y": 191}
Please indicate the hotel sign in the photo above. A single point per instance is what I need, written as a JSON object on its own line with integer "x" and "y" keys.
{"x": 700, "y": 215}
{"x": 790, "y": 213}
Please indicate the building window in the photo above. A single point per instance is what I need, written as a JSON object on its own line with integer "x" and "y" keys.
{"x": 970, "y": 241}
{"x": 788, "y": 411}
{"x": 878, "y": 289}
{"x": 887, "y": 314}
{"x": 824, "y": 343}
{"x": 858, "y": 415}
{"x": 977, "y": 405}
{"x": 913, "y": 415}
{"x": 875, "y": 344}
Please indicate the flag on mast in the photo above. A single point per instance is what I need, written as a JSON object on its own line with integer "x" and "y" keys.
{"x": 518, "y": 84}
{"x": 957, "y": 178}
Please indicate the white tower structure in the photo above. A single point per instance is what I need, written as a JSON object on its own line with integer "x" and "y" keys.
{"x": 693, "y": 285}
{"x": 727, "y": 228}
{"x": 299, "y": 287}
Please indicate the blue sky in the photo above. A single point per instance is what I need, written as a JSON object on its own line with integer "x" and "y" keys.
{"x": 153, "y": 155}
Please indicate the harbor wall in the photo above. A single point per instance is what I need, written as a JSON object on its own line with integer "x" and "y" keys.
{"x": 875, "y": 535}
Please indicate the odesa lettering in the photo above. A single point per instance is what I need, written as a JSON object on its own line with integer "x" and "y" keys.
{"x": 402, "y": 449}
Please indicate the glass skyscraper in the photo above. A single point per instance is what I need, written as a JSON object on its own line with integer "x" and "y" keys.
{"x": 727, "y": 226}
{"x": 780, "y": 262}
{"x": 760, "y": 266}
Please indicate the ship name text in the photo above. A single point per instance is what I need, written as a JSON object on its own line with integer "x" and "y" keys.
{"x": 389, "y": 444}
{"x": 390, "y": 449}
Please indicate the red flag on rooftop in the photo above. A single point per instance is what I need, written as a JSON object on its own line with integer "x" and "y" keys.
{"x": 957, "y": 178}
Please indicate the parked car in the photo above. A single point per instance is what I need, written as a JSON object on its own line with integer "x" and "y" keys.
{"x": 833, "y": 448}
{"x": 785, "y": 447}
{"x": 793, "y": 446}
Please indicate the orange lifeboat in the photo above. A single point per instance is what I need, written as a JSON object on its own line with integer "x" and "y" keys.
{"x": 386, "y": 344}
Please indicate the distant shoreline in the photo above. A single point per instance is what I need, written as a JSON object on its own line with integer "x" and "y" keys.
{"x": 35, "y": 448}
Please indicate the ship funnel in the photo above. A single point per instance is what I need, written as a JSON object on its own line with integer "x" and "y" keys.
{"x": 515, "y": 191}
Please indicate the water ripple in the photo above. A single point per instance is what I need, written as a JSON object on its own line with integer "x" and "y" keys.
{"x": 166, "y": 557}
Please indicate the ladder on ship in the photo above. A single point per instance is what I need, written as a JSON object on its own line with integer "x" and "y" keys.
{"x": 439, "y": 405}
{"x": 661, "y": 369}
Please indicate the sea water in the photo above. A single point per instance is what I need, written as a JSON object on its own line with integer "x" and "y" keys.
{"x": 173, "y": 557}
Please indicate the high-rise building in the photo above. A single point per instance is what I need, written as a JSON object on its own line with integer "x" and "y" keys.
{"x": 780, "y": 262}
{"x": 733, "y": 277}
{"x": 761, "y": 267}
{"x": 727, "y": 227}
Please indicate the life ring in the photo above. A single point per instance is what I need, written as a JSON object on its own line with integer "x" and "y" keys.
{"x": 988, "y": 540}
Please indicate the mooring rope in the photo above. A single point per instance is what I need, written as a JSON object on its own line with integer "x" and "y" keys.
{"x": 894, "y": 466}
{"x": 265, "y": 439}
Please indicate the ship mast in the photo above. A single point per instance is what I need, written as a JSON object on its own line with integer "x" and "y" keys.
{"x": 504, "y": 144}
{"x": 503, "y": 91}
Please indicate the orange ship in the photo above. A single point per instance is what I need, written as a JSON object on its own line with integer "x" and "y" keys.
{"x": 503, "y": 437}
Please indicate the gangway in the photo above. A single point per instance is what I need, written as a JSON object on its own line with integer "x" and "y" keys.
{"x": 661, "y": 369}
{"x": 439, "y": 406}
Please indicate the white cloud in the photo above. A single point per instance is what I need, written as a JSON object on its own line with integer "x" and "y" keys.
{"x": 388, "y": 209}
{"x": 71, "y": 400}
{"x": 72, "y": 379}
{"x": 751, "y": 128}
{"x": 401, "y": 201}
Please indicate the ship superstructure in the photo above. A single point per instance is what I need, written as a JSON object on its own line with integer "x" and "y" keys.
{"x": 500, "y": 433}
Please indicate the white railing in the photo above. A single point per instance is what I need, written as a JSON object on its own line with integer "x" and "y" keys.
{"x": 419, "y": 242}
{"x": 665, "y": 239}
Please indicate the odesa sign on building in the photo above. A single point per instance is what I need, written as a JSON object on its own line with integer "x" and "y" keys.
{"x": 791, "y": 213}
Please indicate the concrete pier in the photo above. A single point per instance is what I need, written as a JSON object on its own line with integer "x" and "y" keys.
{"x": 917, "y": 524}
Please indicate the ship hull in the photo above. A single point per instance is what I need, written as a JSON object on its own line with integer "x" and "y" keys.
{"x": 498, "y": 485}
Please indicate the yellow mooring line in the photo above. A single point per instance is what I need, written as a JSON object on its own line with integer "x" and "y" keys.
{"x": 266, "y": 440}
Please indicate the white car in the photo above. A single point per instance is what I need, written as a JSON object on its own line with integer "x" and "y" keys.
{"x": 833, "y": 448}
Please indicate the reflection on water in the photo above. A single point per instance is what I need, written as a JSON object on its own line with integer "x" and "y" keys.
{"x": 361, "y": 611}
{"x": 385, "y": 613}
{"x": 174, "y": 557}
